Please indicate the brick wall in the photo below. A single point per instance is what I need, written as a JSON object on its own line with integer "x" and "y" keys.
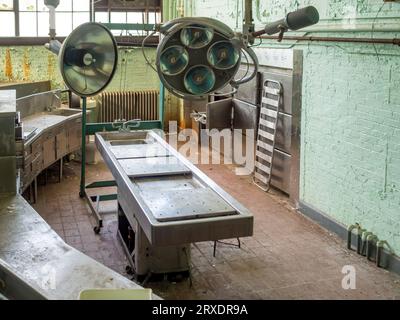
{"x": 350, "y": 165}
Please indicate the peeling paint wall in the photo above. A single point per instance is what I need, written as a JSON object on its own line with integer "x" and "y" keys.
{"x": 35, "y": 63}
{"x": 27, "y": 63}
{"x": 350, "y": 166}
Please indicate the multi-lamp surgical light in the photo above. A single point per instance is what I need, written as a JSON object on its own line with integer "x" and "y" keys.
{"x": 199, "y": 56}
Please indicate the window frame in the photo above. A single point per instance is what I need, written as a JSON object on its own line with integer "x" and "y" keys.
{"x": 17, "y": 39}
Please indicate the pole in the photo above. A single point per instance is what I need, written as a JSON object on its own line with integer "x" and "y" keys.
{"x": 83, "y": 150}
{"x": 162, "y": 105}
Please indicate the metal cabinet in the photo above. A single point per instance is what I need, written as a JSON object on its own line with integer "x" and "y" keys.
{"x": 49, "y": 147}
{"x": 284, "y": 66}
{"x": 74, "y": 135}
{"x": 61, "y": 143}
{"x": 49, "y": 151}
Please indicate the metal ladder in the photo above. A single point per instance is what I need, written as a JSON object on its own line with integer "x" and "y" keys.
{"x": 271, "y": 102}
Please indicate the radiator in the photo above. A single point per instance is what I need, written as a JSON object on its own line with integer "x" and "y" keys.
{"x": 128, "y": 105}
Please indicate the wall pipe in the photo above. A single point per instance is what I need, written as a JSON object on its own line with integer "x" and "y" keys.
{"x": 394, "y": 41}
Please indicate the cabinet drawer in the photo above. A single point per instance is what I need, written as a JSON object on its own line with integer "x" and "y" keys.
{"x": 37, "y": 145}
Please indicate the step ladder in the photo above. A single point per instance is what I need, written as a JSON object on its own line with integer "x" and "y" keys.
{"x": 270, "y": 104}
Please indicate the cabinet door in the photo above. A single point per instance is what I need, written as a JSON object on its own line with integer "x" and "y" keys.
{"x": 49, "y": 151}
{"x": 61, "y": 144}
{"x": 74, "y": 136}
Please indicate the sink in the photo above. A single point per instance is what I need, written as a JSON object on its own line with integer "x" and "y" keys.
{"x": 127, "y": 142}
{"x": 125, "y": 138}
{"x": 64, "y": 112}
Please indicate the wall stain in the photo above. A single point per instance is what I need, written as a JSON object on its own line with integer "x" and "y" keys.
{"x": 8, "y": 65}
{"x": 26, "y": 66}
{"x": 50, "y": 66}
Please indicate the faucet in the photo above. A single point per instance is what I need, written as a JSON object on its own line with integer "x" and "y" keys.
{"x": 135, "y": 123}
{"x": 55, "y": 102}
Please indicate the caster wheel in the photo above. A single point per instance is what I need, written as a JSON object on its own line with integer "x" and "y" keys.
{"x": 96, "y": 230}
{"x": 81, "y": 195}
{"x": 129, "y": 270}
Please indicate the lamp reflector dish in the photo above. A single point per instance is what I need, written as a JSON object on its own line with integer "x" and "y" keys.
{"x": 223, "y": 55}
{"x": 88, "y": 59}
{"x": 199, "y": 80}
{"x": 174, "y": 60}
{"x": 196, "y": 36}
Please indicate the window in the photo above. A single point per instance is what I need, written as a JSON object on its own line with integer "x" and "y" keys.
{"x": 138, "y": 17}
{"x": 30, "y": 18}
{"x": 69, "y": 15}
{"x": 7, "y": 18}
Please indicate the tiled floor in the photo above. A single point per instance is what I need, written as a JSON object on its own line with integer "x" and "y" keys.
{"x": 289, "y": 257}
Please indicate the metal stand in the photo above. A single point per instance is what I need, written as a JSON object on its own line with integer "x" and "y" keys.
{"x": 83, "y": 152}
{"x": 239, "y": 245}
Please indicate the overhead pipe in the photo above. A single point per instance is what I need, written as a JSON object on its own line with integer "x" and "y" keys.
{"x": 393, "y": 41}
{"x": 295, "y": 20}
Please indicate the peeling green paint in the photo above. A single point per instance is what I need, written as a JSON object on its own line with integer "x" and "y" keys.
{"x": 37, "y": 64}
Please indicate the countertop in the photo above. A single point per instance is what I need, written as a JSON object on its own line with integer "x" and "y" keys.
{"x": 30, "y": 249}
{"x": 44, "y": 121}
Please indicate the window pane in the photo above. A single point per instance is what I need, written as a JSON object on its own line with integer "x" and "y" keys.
{"x": 65, "y": 5}
{"x": 101, "y": 17}
{"x": 27, "y": 5}
{"x": 81, "y": 17}
{"x": 27, "y": 24}
{"x": 63, "y": 23}
{"x": 81, "y": 5}
{"x": 41, "y": 6}
{"x": 118, "y": 17}
{"x": 7, "y": 24}
{"x": 135, "y": 17}
{"x": 6, "y": 5}
{"x": 43, "y": 24}
{"x": 154, "y": 17}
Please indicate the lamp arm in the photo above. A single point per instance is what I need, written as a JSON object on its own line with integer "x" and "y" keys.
{"x": 253, "y": 56}
{"x": 187, "y": 22}
{"x": 54, "y": 46}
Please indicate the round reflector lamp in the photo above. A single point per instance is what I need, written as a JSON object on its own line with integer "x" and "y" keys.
{"x": 174, "y": 60}
{"x": 223, "y": 55}
{"x": 196, "y": 36}
{"x": 199, "y": 80}
{"x": 88, "y": 59}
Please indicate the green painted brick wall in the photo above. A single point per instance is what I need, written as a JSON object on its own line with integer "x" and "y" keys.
{"x": 37, "y": 63}
{"x": 350, "y": 165}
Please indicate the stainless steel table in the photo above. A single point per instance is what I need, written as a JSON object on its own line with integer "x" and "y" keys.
{"x": 166, "y": 203}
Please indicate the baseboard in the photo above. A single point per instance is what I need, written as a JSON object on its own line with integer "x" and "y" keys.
{"x": 388, "y": 261}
